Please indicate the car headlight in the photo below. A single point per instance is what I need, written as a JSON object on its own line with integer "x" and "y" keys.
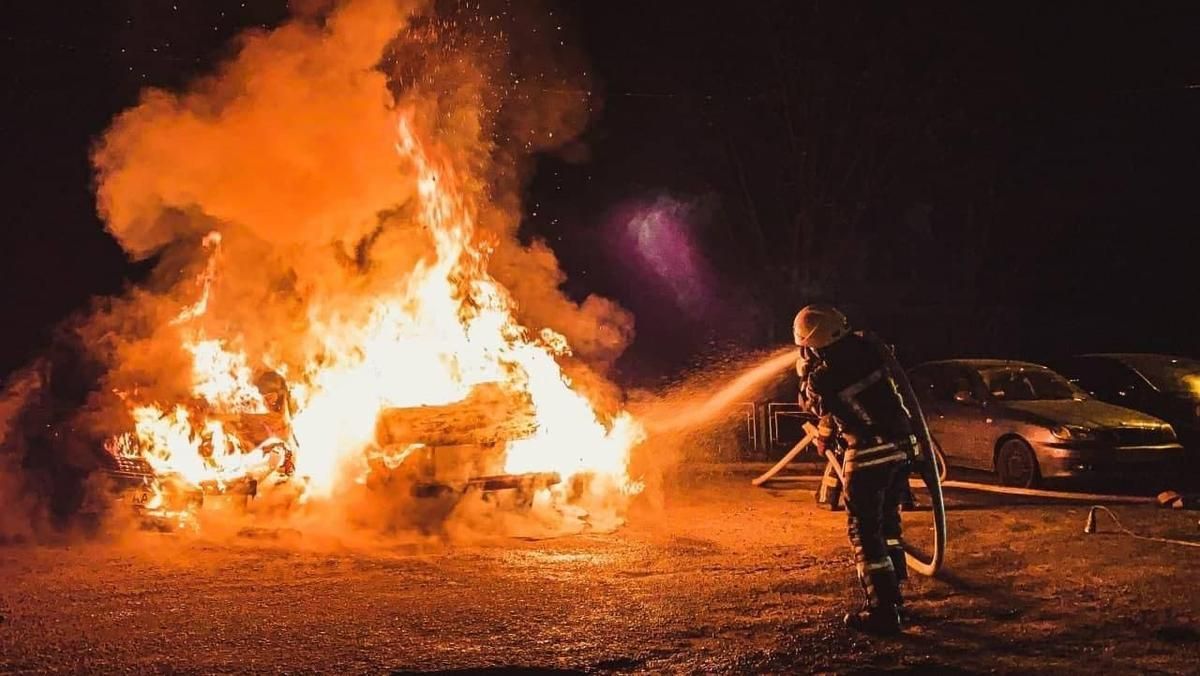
{"x": 1073, "y": 433}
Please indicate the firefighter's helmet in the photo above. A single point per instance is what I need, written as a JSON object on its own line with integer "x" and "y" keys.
{"x": 818, "y": 326}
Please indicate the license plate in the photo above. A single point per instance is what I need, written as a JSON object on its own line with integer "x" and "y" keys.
{"x": 139, "y": 498}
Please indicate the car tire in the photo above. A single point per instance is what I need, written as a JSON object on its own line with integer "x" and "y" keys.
{"x": 1016, "y": 464}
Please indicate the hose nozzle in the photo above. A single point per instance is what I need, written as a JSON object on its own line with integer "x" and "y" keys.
{"x": 1090, "y": 526}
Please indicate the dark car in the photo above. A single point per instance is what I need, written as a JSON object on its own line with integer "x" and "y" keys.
{"x": 1027, "y": 423}
{"x": 1163, "y": 386}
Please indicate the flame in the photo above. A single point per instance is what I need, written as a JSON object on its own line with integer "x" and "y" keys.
{"x": 452, "y": 328}
{"x": 211, "y": 242}
{"x": 449, "y": 328}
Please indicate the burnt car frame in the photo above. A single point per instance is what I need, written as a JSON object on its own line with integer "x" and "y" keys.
{"x": 1027, "y": 423}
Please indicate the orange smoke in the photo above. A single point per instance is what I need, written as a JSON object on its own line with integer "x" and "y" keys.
{"x": 339, "y": 203}
{"x": 292, "y": 139}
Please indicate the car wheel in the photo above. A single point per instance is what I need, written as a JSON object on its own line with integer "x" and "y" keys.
{"x": 1016, "y": 465}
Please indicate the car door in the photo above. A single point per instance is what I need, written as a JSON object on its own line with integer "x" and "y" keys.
{"x": 979, "y": 418}
{"x": 967, "y": 417}
{"x": 946, "y": 417}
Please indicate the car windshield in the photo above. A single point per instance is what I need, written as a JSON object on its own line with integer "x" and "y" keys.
{"x": 1169, "y": 374}
{"x": 1027, "y": 384}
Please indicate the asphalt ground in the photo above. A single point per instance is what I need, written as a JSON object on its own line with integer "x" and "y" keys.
{"x": 708, "y": 575}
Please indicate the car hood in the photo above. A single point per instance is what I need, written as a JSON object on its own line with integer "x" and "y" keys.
{"x": 1089, "y": 413}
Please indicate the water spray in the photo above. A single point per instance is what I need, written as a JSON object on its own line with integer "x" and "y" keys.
{"x": 718, "y": 403}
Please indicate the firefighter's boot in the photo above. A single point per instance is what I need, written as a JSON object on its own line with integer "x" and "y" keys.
{"x": 880, "y": 615}
{"x": 895, "y": 549}
{"x": 879, "y": 622}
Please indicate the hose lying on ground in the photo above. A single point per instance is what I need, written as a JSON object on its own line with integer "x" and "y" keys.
{"x": 1090, "y": 528}
{"x": 1043, "y": 493}
{"x": 1011, "y": 490}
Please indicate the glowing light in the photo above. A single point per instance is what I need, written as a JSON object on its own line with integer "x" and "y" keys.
{"x": 449, "y": 329}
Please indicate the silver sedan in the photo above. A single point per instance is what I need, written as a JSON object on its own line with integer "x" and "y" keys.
{"x": 1027, "y": 423}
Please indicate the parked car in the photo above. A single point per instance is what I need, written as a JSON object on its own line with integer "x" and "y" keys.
{"x": 1164, "y": 386}
{"x": 1027, "y": 423}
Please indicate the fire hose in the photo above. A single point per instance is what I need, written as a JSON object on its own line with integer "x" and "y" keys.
{"x": 924, "y": 460}
{"x": 928, "y": 567}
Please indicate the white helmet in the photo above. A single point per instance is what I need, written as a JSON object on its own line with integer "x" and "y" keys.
{"x": 818, "y": 326}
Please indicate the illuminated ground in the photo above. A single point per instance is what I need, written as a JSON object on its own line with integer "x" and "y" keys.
{"x": 727, "y": 578}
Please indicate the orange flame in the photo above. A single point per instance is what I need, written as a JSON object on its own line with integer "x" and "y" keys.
{"x": 450, "y": 328}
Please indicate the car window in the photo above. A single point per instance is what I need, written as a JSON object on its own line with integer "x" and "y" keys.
{"x": 933, "y": 382}
{"x": 921, "y": 379}
{"x": 1168, "y": 374}
{"x": 943, "y": 383}
{"x": 959, "y": 380}
{"x": 1026, "y": 384}
{"x": 1105, "y": 379}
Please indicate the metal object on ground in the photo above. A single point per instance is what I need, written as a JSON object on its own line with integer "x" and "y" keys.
{"x": 1090, "y": 528}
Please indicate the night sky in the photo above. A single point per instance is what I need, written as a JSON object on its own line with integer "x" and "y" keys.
{"x": 1009, "y": 179}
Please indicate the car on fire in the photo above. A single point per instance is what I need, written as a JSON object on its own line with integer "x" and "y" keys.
{"x": 1028, "y": 423}
{"x": 1164, "y": 386}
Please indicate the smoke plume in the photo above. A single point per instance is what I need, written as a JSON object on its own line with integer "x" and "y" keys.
{"x": 287, "y": 150}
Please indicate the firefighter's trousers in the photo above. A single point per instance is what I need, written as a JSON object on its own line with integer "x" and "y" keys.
{"x": 876, "y": 479}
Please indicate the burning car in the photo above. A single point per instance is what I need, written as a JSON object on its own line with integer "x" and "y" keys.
{"x": 339, "y": 202}
{"x": 455, "y": 448}
{"x": 1027, "y": 423}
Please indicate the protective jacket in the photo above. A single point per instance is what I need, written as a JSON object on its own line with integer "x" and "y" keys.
{"x": 849, "y": 384}
{"x": 863, "y": 418}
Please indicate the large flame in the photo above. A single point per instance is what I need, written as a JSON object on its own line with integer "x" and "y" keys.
{"x": 351, "y": 176}
{"x": 450, "y": 328}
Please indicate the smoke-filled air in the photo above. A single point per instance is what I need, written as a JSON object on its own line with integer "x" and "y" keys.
{"x": 339, "y": 300}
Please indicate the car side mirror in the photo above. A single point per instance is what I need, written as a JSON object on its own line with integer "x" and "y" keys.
{"x": 964, "y": 397}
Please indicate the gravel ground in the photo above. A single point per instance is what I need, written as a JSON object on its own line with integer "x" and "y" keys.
{"x": 717, "y": 577}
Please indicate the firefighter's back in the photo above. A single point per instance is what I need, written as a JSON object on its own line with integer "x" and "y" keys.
{"x": 859, "y": 391}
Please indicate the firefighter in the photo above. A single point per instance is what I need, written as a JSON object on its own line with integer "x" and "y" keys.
{"x": 863, "y": 419}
